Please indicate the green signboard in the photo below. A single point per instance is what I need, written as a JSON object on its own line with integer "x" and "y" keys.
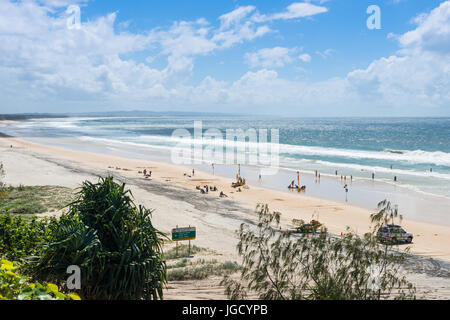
{"x": 181, "y": 234}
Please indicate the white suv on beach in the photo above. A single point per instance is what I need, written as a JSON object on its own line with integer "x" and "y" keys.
{"x": 395, "y": 234}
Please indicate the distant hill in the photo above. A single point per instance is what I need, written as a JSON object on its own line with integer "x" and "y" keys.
{"x": 25, "y": 116}
{"x": 133, "y": 113}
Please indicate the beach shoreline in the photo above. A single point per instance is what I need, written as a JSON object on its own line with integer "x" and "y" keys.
{"x": 177, "y": 203}
{"x": 430, "y": 239}
{"x": 140, "y": 140}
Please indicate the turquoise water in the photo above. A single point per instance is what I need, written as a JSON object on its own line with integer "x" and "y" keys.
{"x": 357, "y": 147}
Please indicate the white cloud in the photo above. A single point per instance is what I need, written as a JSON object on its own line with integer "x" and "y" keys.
{"x": 269, "y": 57}
{"x": 433, "y": 31}
{"x": 326, "y": 53}
{"x": 294, "y": 11}
{"x": 419, "y": 74}
{"x": 235, "y": 16}
{"x": 305, "y": 57}
{"x": 46, "y": 67}
{"x": 43, "y": 61}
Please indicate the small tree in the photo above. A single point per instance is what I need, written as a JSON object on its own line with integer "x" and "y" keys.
{"x": 3, "y": 191}
{"x": 111, "y": 240}
{"x": 386, "y": 214}
{"x": 277, "y": 266}
{"x": 2, "y": 174}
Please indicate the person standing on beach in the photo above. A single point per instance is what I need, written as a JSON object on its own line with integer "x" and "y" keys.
{"x": 373, "y": 176}
{"x": 193, "y": 172}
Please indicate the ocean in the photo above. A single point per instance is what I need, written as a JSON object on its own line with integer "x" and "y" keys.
{"x": 414, "y": 150}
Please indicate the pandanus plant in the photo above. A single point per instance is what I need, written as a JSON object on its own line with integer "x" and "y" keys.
{"x": 113, "y": 241}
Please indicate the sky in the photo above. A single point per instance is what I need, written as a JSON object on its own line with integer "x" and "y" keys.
{"x": 289, "y": 58}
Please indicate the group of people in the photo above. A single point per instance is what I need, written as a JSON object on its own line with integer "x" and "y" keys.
{"x": 147, "y": 174}
{"x": 317, "y": 179}
{"x": 206, "y": 189}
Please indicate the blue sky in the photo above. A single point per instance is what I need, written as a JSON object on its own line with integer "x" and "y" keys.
{"x": 303, "y": 58}
{"x": 342, "y": 29}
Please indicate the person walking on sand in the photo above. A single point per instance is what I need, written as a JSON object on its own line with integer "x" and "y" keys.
{"x": 193, "y": 172}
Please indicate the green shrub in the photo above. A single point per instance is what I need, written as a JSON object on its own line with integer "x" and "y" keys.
{"x": 22, "y": 237}
{"x": 182, "y": 251}
{"x": 14, "y": 286}
{"x": 111, "y": 240}
{"x": 201, "y": 270}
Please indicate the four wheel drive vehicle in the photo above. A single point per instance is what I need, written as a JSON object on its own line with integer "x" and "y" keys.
{"x": 395, "y": 234}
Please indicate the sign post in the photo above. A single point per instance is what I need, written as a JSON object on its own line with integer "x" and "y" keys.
{"x": 184, "y": 234}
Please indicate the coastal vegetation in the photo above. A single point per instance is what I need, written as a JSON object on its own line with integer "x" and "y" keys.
{"x": 278, "y": 266}
{"x": 27, "y": 200}
{"x": 112, "y": 240}
{"x": 23, "y": 237}
{"x": 121, "y": 255}
{"x": 201, "y": 269}
{"x": 14, "y": 285}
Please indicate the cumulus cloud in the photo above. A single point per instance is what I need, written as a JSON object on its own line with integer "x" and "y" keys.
{"x": 418, "y": 76}
{"x": 294, "y": 11}
{"x": 44, "y": 66}
{"x": 269, "y": 57}
{"x": 432, "y": 33}
{"x": 45, "y": 62}
{"x": 305, "y": 57}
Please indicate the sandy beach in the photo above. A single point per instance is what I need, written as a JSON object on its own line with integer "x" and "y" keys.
{"x": 177, "y": 203}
